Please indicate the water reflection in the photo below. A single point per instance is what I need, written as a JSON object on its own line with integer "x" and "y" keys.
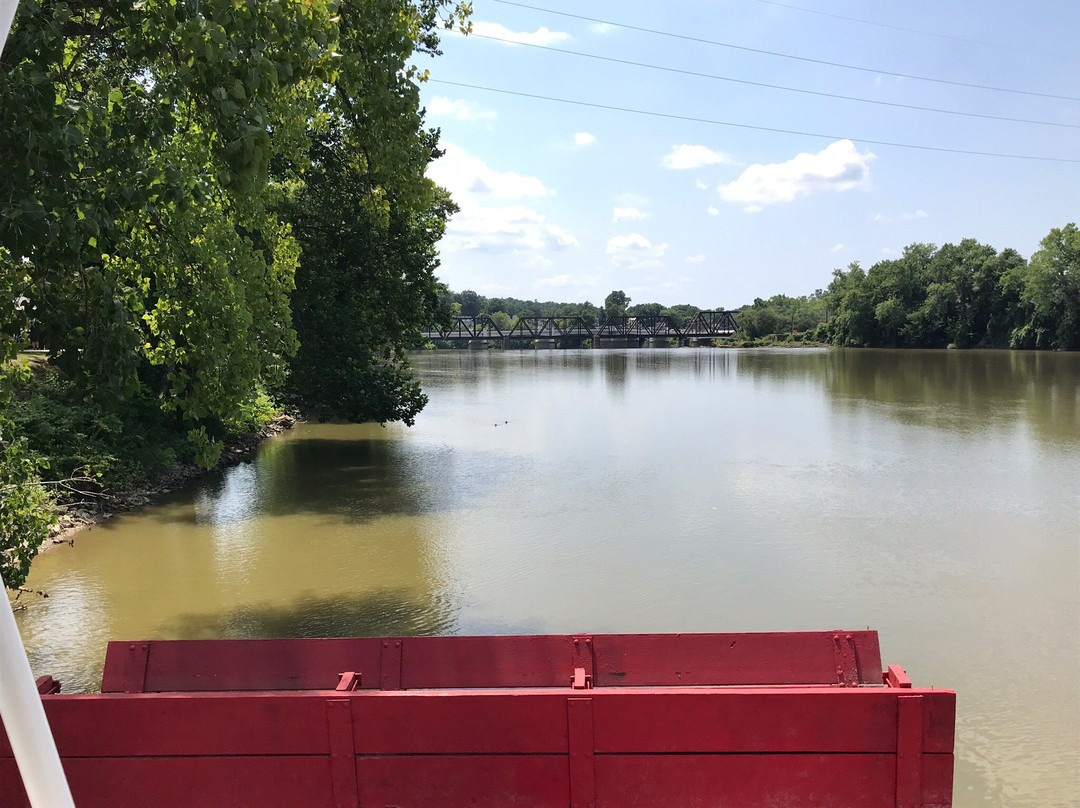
{"x": 372, "y": 614}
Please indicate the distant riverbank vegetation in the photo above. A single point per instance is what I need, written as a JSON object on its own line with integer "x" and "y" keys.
{"x": 207, "y": 210}
{"x": 965, "y": 295}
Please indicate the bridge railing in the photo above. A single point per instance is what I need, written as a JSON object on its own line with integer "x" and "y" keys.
{"x": 703, "y": 325}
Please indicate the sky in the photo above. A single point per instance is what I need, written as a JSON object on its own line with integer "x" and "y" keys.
{"x": 567, "y": 202}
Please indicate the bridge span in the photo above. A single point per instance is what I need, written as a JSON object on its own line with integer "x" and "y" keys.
{"x": 612, "y": 332}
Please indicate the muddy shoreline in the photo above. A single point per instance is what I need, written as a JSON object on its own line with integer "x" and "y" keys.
{"x": 75, "y": 519}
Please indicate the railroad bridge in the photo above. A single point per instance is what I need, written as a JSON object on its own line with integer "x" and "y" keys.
{"x": 612, "y": 332}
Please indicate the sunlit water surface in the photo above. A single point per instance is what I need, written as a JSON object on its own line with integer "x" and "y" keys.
{"x": 932, "y": 496}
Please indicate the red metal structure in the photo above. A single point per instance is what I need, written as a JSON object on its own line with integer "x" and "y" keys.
{"x": 803, "y": 719}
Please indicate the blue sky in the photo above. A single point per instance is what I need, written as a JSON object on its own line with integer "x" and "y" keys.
{"x": 568, "y": 202}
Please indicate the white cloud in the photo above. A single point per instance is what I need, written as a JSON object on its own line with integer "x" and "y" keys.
{"x": 483, "y": 224}
{"x": 685, "y": 156}
{"x": 700, "y": 185}
{"x": 602, "y": 28}
{"x": 458, "y": 108}
{"x": 628, "y": 213}
{"x": 695, "y": 259}
{"x": 584, "y": 138}
{"x": 712, "y": 210}
{"x": 463, "y": 174}
{"x": 501, "y": 229}
{"x": 753, "y": 208}
{"x": 541, "y": 36}
{"x": 634, "y": 251}
{"x": 837, "y": 167}
{"x": 837, "y": 247}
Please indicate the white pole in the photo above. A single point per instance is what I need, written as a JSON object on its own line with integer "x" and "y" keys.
{"x": 7, "y": 14}
{"x": 20, "y": 704}
{"x": 25, "y": 722}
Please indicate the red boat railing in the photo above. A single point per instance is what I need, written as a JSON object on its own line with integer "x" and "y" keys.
{"x": 596, "y": 721}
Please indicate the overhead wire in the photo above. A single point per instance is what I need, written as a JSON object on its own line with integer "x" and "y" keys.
{"x": 919, "y": 31}
{"x": 822, "y": 94}
{"x": 778, "y": 54}
{"x": 714, "y": 122}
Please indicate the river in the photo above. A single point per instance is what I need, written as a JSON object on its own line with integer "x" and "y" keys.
{"x": 933, "y": 496}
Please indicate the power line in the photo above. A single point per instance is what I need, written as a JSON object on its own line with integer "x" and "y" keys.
{"x": 901, "y": 28}
{"x": 788, "y": 55}
{"x": 713, "y": 122}
{"x": 777, "y": 86}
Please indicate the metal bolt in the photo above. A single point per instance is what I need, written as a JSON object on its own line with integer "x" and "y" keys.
{"x": 397, "y": 644}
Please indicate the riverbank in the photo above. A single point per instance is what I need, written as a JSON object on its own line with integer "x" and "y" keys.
{"x": 107, "y": 504}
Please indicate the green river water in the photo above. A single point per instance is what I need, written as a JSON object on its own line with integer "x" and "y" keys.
{"x": 933, "y": 496}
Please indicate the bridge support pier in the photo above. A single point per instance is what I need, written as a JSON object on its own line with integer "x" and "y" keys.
{"x": 659, "y": 342}
{"x": 616, "y": 342}
{"x": 544, "y": 344}
{"x": 478, "y": 345}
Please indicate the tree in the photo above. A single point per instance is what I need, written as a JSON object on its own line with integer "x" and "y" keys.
{"x": 615, "y": 304}
{"x": 153, "y": 152}
{"x": 1049, "y": 291}
{"x": 645, "y": 310}
{"x": 470, "y": 303}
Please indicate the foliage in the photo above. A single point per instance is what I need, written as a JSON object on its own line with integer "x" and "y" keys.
{"x": 153, "y": 152}
{"x": 146, "y": 148}
{"x": 25, "y": 507}
{"x": 960, "y": 294}
{"x": 781, "y": 314}
{"x": 1049, "y": 293}
{"x": 616, "y": 303}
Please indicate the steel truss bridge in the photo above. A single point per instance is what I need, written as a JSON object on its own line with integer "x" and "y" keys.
{"x": 704, "y": 325}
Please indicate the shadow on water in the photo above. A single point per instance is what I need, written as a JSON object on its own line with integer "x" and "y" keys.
{"x": 372, "y": 614}
{"x": 355, "y": 480}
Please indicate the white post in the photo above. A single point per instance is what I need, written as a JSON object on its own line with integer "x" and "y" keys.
{"x": 20, "y": 704}
{"x": 24, "y": 720}
{"x": 7, "y": 14}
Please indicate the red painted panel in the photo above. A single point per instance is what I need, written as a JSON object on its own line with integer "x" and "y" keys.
{"x": 937, "y": 784}
{"x": 463, "y": 662}
{"x": 482, "y": 781}
{"x": 234, "y": 782}
{"x": 745, "y": 781}
{"x": 208, "y": 665}
{"x": 759, "y": 720}
{"x": 729, "y": 659}
{"x": 475, "y": 662}
{"x": 410, "y": 722}
{"x": 186, "y": 724}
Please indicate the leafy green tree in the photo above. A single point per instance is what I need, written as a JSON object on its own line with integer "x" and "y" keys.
{"x": 470, "y": 303}
{"x": 681, "y": 314}
{"x": 25, "y": 507}
{"x": 615, "y": 304}
{"x": 152, "y": 153}
{"x": 1049, "y": 291}
{"x": 645, "y": 310}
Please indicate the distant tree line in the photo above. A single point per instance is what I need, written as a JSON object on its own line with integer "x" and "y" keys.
{"x": 505, "y": 310}
{"x": 966, "y": 295}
